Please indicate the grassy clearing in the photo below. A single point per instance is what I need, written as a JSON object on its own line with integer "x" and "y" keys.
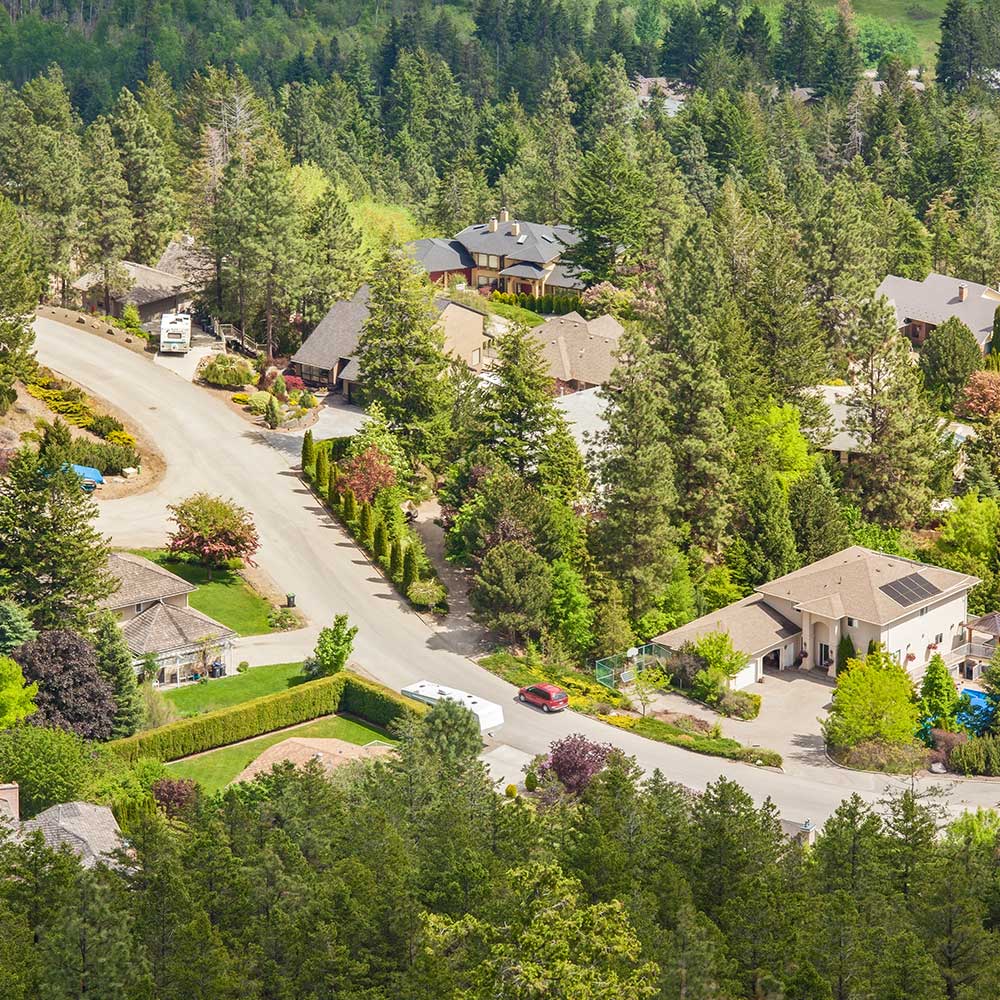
{"x": 228, "y": 691}
{"x": 226, "y": 597}
{"x": 381, "y": 224}
{"x": 216, "y": 769}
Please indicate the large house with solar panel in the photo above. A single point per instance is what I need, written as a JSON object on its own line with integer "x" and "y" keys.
{"x": 503, "y": 255}
{"x": 797, "y": 621}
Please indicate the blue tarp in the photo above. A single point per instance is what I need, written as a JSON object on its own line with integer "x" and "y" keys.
{"x": 86, "y": 472}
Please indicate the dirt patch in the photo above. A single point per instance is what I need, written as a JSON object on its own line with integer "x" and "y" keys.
{"x": 26, "y": 412}
{"x": 689, "y": 723}
{"x": 97, "y": 328}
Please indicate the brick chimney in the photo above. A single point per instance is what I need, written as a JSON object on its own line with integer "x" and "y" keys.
{"x": 11, "y": 795}
{"x": 504, "y": 214}
{"x": 963, "y": 292}
{"x": 515, "y": 228}
{"x": 493, "y": 225}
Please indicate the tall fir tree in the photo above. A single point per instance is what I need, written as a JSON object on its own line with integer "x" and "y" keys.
{"x": 948, "y": 356}
{"x": 816, "y": 516}
{"x": 114, "y": 661}
{"x": 106, "y": 224}
{"x": 19, "y": 292}
{"x": 145, "y": 169}
{"x": 335, "y": 254}
{"x": 634, "y": 468}
{"x": 842, "y": 61}
{"x": 799, "y": 54}
{"x": 764, "y": 548}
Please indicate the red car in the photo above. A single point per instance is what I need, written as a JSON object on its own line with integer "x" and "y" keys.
{"x": 547, "y": 697}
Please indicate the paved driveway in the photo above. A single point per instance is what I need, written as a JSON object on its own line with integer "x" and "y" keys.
{"x": 207, "y": 447}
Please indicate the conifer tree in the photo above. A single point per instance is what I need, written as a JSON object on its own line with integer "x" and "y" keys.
{"x": 114, "y": 661}
{"x": 816, "y": 516}
{"x": 350, "y": 506}
{"x": 380, "y": 543}
{"x": 334, "y": 252}
{"x": 365, "y": 526}
{"x": 634, "y": 467}
{"x": 19, "y": 290}
{"x": 799, "y": 53}
{"x": 146, "y": 175}
{"x": 901, "y": 461}
{"x": 948, "y": 356}
{"x": 960, "y": 51}
{"x": 938, "y": 696}
{"x": 308, "y": 451}
{"x": 395, "y": 559}
{"x": 765, "y": 546}
{"x": 842, "y": 62}
{"x": 410, "y": 574}
{"x": 15, "y": 627}
{"x": 321, "y": 468}
{"x": 106, "y": 224}
{"x": 332, "y": 491}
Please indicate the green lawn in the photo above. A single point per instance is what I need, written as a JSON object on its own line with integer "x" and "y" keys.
{"x": 254, "y": 683}
{"x": 226, "y": 597}
{"x": 216, "y": 769}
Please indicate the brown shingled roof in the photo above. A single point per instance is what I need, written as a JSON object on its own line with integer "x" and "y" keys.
{"x": 163, "y": 628}
{"x": 299, "y": 750}
{"x": 141, "y": 581}
{"x": 579, "y": 350}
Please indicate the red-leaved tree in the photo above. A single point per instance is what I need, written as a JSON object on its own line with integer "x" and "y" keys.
{"x": 176, "y": 795}
{"x": 575, "y": 760}
{"x": 213, "y": 530}
{"x": 981, "y": 395}
{"x": 368, "y": 473}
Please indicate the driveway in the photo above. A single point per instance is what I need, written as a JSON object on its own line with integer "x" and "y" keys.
{"x": 208, "y": 447}
{"x": 337, "y": 418}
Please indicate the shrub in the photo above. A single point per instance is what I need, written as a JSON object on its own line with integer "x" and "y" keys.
{"x": 978, "y": 756}
{"x": 130, "y": 318}
{"x": 981, "y": 395}
{"x": 575, "y": 760}
{"x": 709, "y": 686}
{"x": 258, "y": 403}
{"x": 426, "y": 593}
{"x": 511, "y": 791}
{"x": 530, "y": 781}
{"x": 103, "y": 424}
{"x": 373, "y": 702}
{"x": 877, "y": 755}
{"x": 308, "y": 401}
{"x": 282, "y": 619}
{"x": 946, "y": 741}
{"x": 226, "y": 371}
{"x": 121, "y": 438}
{"x": 175, "y": 795}
{"x": 241, "y": 398}
{"x": 293, "y": 383}
{"x": 740, "y": 704}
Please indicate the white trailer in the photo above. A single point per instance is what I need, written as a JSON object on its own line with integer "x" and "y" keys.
{"x": 175, "y": 333}
{"x": 489, "y": 713}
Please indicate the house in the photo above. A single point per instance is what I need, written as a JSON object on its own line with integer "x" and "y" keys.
{"x": 89, "y": 831}
{"x": 328, "y": 357}
{"x": 330, "y": 754}
{"x": 151, "y": 604}
{"x": 579, "y": 353}
{"x": 504, "y": 255}
{"x": 646, "y": 88}
{"x": 913, "y": 609}
{"x": 185, "y": 259}
{"x": 584, "y": 414}
{"x": 152, "y": 291}
{"x": 922, "y": 305}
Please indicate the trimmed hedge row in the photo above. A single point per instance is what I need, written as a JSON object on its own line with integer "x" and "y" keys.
{"x": 341, "y": 692}
{"x": 711, "y": 746}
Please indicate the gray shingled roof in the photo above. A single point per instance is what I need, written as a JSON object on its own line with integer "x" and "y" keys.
{"x": 564, "y": 276}
{"x": 936, "y": 299}
{"x": 163, "y": 628}
{"x": 90, "y": 831}
{"x": 140, "y": 581}
{"x": 337, "y": 333}
{"x": 534, "y": 242}
{"x": 577, "y": 350}
{"x": 149, "y": 284}
{"x": 440, "y": 255}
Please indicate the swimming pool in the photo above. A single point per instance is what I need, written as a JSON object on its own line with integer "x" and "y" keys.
{"x": 977, "y": 697}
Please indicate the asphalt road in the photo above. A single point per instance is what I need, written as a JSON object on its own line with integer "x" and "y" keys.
{"x": 208, "y": 447}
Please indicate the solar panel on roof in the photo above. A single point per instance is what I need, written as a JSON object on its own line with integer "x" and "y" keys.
{"x": 909, "y": 589}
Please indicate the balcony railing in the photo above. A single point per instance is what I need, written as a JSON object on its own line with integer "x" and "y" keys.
{"x": 970, "y": 651}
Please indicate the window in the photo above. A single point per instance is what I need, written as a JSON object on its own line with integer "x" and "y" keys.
{"x": 476, "y": 356}
{"x": 852, "y": 623}
{"x": 939, "y": 638}
{"x": 494, "y": 261}
{"x": 923, "y": 611}
{"x": 138, "y": 609}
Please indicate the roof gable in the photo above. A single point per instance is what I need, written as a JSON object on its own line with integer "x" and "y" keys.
{"x": 164, "y": 627}
{"x": 141, "y": 580}
{"x": 937, "y": 298}
{"x": 533, "y": 242}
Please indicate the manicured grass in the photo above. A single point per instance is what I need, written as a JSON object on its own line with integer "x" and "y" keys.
{"x": 216, "y": 769}
{"x": 516, "y": 314}
{"x": 228, "y": 691}
{"x": 226, "y": 597}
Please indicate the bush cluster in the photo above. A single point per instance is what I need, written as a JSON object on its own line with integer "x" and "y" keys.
{"x": 338, "y": 693}
{"x": 739, "y": 705}
{"x": 978, "y": 756}
{"x": 878, "y": 755}
{"x": 712, "y": 746}
{"x": 227, "y": 371}
{"x": 551, "y": 303}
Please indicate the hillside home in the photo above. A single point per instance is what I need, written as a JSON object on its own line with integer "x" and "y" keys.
{"x": 579, "y": 353}
{"x": 797, "y": 621}
{"x": 669, "y": 92}
{"x": 922, "y": 305}
{"x": 151, "y": 604}
{"x": 152, "y": 291}
{"x": 504, "y": 255}
{"x": 328, "y": 357}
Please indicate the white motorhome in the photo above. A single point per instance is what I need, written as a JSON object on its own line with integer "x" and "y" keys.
{"x": 175, "y": 333}
{"x": 489, "y": 713}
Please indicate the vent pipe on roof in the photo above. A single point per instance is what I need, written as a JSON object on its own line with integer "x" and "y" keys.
{"x": 504, "y": 214}
{"x": 493, "y": 225}
{"x": 963, "y": 292}
{"x": 515, "y": 228}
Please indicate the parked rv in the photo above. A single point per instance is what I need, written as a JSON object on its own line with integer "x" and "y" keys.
{"x": 175, "y": 333}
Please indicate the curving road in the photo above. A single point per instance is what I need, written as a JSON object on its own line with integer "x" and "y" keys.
{"x": 208, "y": 447}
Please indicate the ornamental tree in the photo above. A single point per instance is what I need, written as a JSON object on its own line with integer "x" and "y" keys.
{"x": 938, "y": 696}
{"x": 368, "y": 473}
{"x": 575, "y": 760}
{"x": 333, "y": 648}
{"x": 213, "y": 530}
{"x": 15, "y": 627}
{"x": 72, "y": 694}
{"x": 981, "y": 395}
{"x": 512, "y": 590}
{"x": 17, "y": 697}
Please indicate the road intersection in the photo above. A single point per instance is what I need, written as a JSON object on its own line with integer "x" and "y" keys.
{"x": 208, "y": 447}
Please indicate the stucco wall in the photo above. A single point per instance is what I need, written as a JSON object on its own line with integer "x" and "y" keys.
{"x": 464, "y": 331}
{"x": 915, "y": 632}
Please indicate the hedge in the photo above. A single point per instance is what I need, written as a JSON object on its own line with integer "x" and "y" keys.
{"x": 374, "y": 703}
{"x": 711, "y": 746}
{"x": 978, "y": 756}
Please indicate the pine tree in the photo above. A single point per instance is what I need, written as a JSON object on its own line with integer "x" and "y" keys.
{"x": 402, "y": 359}
{"x": 106, "y": 223}
{"x": 800, "y": 50}
{"x": 765, "y": 546}
{"x": 15, "y": 627}
{"x": 410, "y": 573}
{"x": 948, "y": 356}
{"x": 114, "y": 661}
{"x": 52, "y": 561}
{"x": 634, "y": 467}
{"x": 557, "y": 150}
{"x": 900, "y": 457}
{"x": 19, "y": 291}
{"x": 462, "y": 197}
{"x": 146, "y": 175}
{"x": 816, "y": 516}
{"x": 842, "y": 61}
{"x": 335, "y": 254}
{"x": 395, "y": 560}
{"x": 960, "y": 51}
{"x": 308, "y": 452}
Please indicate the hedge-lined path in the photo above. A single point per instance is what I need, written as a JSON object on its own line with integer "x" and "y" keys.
{"x": 304, "y": 551}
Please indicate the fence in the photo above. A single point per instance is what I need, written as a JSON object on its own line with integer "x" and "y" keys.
{"x": 622, "y": 668}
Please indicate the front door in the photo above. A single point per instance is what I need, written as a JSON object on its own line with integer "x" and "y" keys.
{"x": 824, "y": 654}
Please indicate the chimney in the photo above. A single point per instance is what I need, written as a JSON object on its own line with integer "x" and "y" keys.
{"x": 493, "y": 224}
{"x": 10, "y": 794}
{"x": 963, "y": 292}
{"x": 515, "y": 228}
{"x": 504, "y": 214}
